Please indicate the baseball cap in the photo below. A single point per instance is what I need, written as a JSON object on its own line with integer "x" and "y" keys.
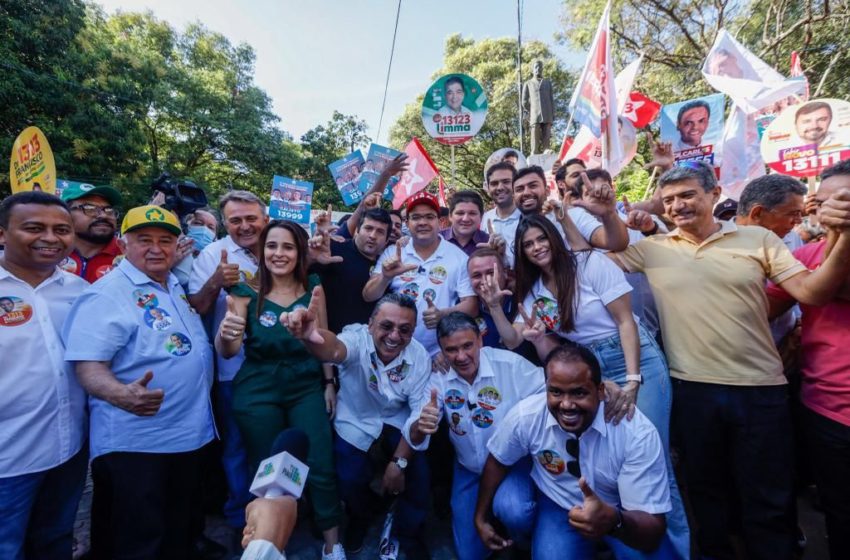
{"x": 725, "y": 207}
{"x": 79, "y": 190}
{"x": 150, "y": 216}
{"x": 423, "y": 197}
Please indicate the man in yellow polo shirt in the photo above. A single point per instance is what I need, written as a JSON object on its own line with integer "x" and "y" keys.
{"x": 730, "y": 409}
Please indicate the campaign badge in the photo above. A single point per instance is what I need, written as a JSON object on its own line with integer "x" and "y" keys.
{"x": 551, "y": 461}
{"x": 454, "y": 399}
{"x": 409, "y": 276}
{"x": 437, "y": 275}
{"x": 268, "y": 319}
{"x": 482, "y": 325}
{"x": 455, "y": 420}
{"x": 68, "y": 265}
{"x": 145, "y": 301}
{"x": 454, "y": 109}
{"x": 429, "y": 294}
{"x": 547, "y": 310}
{"x": 178, "y": 344}
{"x": 157, "y": 319}
{"x": 489, "y": 397}
{"x": 245, "y": 275}
{"x": 397, "y": 373}
{"x": 482, "y": 418}
{"x": 410, "y": 290}
{"x": 14, "y": 311}
{"x": 373, "y": 382}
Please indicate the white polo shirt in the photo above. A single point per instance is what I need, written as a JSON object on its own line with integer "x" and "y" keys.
{"x": 473, "y": 411}
{"x": 623, "y": 464}
{"x": 443, "y": 275}
{"x": 42, "y": 407}
{"x": 506, "y": 227}
{"x": 202, "y": 269}
{"x": 372, "y": 393}
{"x": 585, "y": 222}
{"x": 600, "y": 282}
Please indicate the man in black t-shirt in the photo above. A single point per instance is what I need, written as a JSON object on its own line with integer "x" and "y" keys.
{"x": 343, "y": 282}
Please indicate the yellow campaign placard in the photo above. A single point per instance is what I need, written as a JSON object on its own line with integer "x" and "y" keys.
{"x": 32, "y": 166}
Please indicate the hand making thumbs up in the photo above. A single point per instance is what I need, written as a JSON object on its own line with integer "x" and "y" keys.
{"x": 429, "y": 417}
{"x": 233, "y": 325}
{"x": 432, "y": 315}
{"x": 594, "y": 518}
{"x": 227, "y": 274}
{"x": 138, "y": 399}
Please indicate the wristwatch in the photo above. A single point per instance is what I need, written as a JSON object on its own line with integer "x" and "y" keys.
{"x": 634, "y": 377}
{"x": 400, "y": 462}
{"x": 333, "y": 381}
{"x": 619, "y": 525}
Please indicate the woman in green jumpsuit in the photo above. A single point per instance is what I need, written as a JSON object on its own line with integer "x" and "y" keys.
{"x": 280, "y": 385}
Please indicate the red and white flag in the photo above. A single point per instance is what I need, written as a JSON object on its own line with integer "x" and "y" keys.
{"x": 640, "y": 109}
{"x": 797, "y": 71}
{"x": 420, "y": 172}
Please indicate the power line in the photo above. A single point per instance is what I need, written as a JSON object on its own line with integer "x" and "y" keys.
{"x": 389, "y": 68}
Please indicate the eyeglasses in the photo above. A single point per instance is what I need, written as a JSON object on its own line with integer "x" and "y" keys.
{"x": 92, "y": 210}
{"x": 403, "y": 330}
{"x": 573, "y": 466}
{"x": 422, "y": 217}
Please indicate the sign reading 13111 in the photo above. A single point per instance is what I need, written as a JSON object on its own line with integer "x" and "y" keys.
{"x": 454, "y": 109}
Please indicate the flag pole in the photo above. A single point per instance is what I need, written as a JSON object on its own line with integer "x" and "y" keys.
{"x": 453, "y": 164}
{"x": 649, "y": 190}
{"x": 519, "y": 73}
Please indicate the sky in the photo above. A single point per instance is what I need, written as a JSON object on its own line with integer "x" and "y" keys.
{"x": 317, "y": 56}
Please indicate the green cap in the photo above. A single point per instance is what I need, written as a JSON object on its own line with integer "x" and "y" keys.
{"x": 79, "y": 190}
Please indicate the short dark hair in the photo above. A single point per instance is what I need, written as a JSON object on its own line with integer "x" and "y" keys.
{"x": 698, "y": 170}
{"x": 454, "y": 80}
{"x": 376, "y": 215}
{"x": 454, "y": 322}
{"x": 510, "y": 153}
{"x": 466, "y": 196}
{"x": 482, "y": 252}
{"x": 811, "y": 107}
{"x": 396, "y": 213}
{"x": 501, "y": 166}
{"x": 28, "y": 197}
{"x": 599, "y": 173}
{"x": 569, "y": 353}
{"x": 692, "y": 105}
{"x": 401, "y": 300}
{"x": 840, "y": 168}
{"x": 770, "y": 191}
{"x": 575, "y": 161}
{"x": 536, "y": 169}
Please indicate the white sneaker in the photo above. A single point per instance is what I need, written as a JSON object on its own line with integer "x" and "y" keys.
{"x": 336, "y": 553}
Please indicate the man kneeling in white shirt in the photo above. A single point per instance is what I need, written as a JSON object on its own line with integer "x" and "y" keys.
{"x": 595, "y": 480}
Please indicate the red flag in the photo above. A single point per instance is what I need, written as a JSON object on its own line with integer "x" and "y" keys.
{"x": 442, "y": 196}
{"x": 640, "y": 109}
{"x": 797, "y": 70}
{"x": 420, "y": 172}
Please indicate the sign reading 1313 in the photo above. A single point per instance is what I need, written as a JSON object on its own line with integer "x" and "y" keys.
{"x": 454, "y": 109}
{"x": 31, "y": 167}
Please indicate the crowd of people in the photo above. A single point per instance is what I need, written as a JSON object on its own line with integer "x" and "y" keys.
{"x": 555, "y": 361}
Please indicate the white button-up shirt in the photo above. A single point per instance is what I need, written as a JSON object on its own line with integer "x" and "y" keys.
{"x": 202, "y": 269}
{"x": 473, "y": 411}
{"x": 623, "y": 464}
{"x": 506, "y": 227}
{"x": 372, "y": 393}
{"x": 443, "y": 276}
{"x": 42, "y": 407}
{"x": 135, "y": 324}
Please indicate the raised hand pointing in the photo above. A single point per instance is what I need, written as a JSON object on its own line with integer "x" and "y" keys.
{"x": 302, "y": 323}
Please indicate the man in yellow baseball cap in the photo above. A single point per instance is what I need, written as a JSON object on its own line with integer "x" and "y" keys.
{"x": 150, "y": 216}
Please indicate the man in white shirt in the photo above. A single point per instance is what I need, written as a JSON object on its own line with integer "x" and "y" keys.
{"x": 482, "y": 385}
{"x": 504, "y": 216}
{"x": 595, "y": 480}
{"x": 43, "y": 456}
{"x": 383, "y": 376}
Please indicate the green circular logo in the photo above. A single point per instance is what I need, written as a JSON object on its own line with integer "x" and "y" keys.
{"x": 454, "y": 109}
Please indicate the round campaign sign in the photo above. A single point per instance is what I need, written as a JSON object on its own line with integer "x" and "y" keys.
{"x": 454, "y": 109}
{"x": 32, "y": 167}
{"x": 806, "y": 139}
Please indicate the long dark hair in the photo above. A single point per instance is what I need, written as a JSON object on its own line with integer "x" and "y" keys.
{"x": 564, "y": 269}
{"x": 262, "y": 282}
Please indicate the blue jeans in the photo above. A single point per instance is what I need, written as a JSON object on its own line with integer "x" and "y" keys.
{"x": 655, "y": 401}
{"x": 234, "y": 458}
{"x": 514, "y": 506}
{"x": 354, "y": 472}
{"x": 554, "y": 537}
{"x": 37, "y": 510}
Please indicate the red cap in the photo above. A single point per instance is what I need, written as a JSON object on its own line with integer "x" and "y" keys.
{"x": 423, "y": 197}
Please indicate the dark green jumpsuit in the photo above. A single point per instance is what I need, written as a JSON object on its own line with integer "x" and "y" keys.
{"x": 279, "y": 387}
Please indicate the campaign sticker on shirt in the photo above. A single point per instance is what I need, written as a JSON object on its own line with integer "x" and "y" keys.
{"x": 145, "y": 301}
{"x": 454, "y": 399}
{"x": 373, "y": 382}
{"x": 482, "y": 326}
{"x": 408, "y": 276}
{"x": 245, "y": 275}
{"x": 437, "y": 274}
{"x": 482, "y": 418}
{"x": 178, "y": 344}
{"x": 157, "y": 319}
{"x": 410, "y": 290}
{"x": 69, "y": 265}
{"x": 429, "y": 294}
{"x": 489, "y": 397}
{"x": 454, "y": 424}
{"x": 268, "y": 319}
{"x": 399, "y": 372}
{"x": 551, "y": 461}
{"x": 548, "y": 313}
{"x": 14, "y": 311}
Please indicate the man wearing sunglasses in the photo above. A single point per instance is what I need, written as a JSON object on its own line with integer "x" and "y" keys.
{"x": 94, "y": 211}
{"x": 595, "y": 480}
{"x": 383, "y": 376}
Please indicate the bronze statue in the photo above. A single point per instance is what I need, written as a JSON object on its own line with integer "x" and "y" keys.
{"x": 538, "y": 105}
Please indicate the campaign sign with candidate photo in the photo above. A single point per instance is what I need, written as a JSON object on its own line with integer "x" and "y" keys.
{"x": 695, "y": 128}
{"x": 346, "y": 173}
{"x": 805, "y": 139}
{"x": 454, "y": 109}
{"x": 291, "y": 200}
{"x": 379, "y": 157}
